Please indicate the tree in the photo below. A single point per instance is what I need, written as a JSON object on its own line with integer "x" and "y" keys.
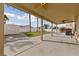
{"x": 5, "y": 18}
{"x": 46, "y": 26}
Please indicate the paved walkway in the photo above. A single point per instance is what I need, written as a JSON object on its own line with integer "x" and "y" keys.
{"x": 58, "y": 44}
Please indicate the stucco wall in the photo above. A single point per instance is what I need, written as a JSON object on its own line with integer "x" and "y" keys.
{"x": 70, "y": 25}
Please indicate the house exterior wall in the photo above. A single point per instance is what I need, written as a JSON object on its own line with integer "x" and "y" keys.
{"x": 49, "y": 30}
{"x": 71, "y": 26}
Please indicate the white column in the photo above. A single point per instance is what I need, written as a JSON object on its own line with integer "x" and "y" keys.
{"x": 37, "y": 24}
{"x": 51, "y": 29}
{"x": 42, "y": 29}
{"x": 1, "y": 29}
{"x": 77, "y": 29}
{"x": 56, "y": 28}
{"x": 30, "y": 22}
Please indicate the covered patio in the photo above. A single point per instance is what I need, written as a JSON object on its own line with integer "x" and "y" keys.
{"x": 54, "y": 13}
{"x": 59, "y": 44}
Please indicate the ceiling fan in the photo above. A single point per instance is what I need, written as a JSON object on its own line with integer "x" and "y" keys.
{"x": 41, "y": 5}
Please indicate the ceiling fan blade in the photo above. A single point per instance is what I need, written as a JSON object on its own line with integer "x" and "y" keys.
{"x": 45, "y": 6}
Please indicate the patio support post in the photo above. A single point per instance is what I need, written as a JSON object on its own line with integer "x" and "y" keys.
{"x": 42, "y": 29}
{"x": 77, "y": 29}
{"x": 1, "y": 29}
{"x": 75, "y": 25}
{"x": 56, "y": 28}
{"x": 30, "y": 21}
{"x": 37, "y": 24}
{"x": 51, "y": 29}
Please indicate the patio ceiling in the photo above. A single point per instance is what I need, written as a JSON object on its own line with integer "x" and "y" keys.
{"x": 54, "y": 12}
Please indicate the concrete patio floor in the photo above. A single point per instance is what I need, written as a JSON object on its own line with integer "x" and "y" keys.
{"x": 15, "y": 44}
{"x": 52, "y": 49}
{"x": 58, "y": 44}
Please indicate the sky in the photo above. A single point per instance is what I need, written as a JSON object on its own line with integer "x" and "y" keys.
{"x": 19, "y": 17}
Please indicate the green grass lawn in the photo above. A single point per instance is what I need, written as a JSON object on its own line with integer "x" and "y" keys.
{"x": 33, "y": 34}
